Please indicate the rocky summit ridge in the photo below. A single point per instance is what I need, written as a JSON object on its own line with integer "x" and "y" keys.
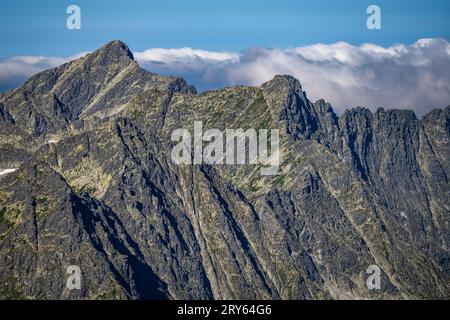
{"x": 86, "y": 179}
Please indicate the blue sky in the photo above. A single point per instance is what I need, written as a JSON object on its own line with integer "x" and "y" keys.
{"x": 32, "y": 27}
{"x": 323, "y": 43}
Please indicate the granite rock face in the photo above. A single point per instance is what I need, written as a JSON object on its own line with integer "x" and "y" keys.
{"x": 87, "y": 179}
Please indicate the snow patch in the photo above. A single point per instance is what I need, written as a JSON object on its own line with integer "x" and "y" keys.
{"x": 6, "y": 171}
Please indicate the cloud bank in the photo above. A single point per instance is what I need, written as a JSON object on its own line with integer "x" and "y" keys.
{"x": 413, "y": 76}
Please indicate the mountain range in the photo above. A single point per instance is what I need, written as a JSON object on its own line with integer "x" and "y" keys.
{"x": 87, "y": 179}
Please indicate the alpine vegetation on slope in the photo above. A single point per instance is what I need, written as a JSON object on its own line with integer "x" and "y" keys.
{"x": 87, "y": 179}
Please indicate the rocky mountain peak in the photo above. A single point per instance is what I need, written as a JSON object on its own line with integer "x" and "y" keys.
{"x": 114, "y": 51}
{"x": 287, "y": 81}
{"x": 283, "y": 84}
{"x": 113, "y": 57}
{"x": 96, "y": 84}
{"x": 286, "y": 95}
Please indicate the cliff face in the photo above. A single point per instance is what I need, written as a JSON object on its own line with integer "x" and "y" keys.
{"x": 87, "y": 179}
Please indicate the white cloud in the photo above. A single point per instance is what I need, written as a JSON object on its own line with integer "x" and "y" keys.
{"x": 183, "y": 55}
{"x": 413, "y": 76}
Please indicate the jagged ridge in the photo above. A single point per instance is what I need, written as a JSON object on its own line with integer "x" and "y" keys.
{"x": 95, "y": 186}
